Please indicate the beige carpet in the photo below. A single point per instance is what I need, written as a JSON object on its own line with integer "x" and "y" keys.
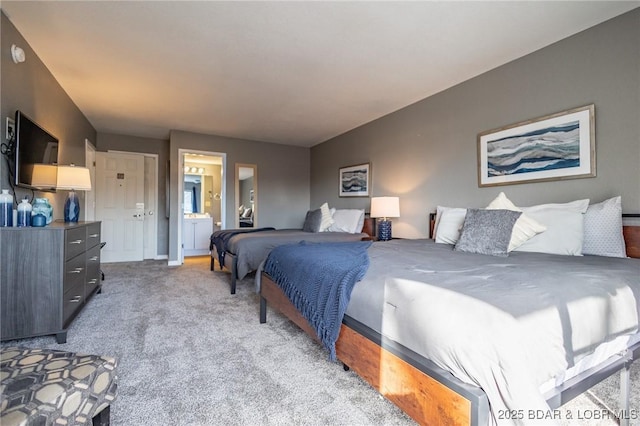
{"x": 190, "y": 353}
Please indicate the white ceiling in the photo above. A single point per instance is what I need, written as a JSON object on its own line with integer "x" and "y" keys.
{"x": 295, "y": 73}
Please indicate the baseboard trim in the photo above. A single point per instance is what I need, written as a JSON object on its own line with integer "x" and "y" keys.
{"x": 161, "y": 257}
{"x": 175, "y": 263}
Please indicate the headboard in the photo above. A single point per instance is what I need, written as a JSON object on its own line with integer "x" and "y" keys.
{"x": 369, "y": 227}
{"x": 632, "y": 237}
{"x": 432, "y": 225}
{"x": 631, "y": 234}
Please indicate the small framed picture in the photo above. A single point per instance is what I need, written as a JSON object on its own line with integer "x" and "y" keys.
{"x": 355, "y": 180}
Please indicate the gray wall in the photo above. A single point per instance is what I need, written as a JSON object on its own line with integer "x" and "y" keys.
{"x": 110, "y": 141}
{"x": 32, "y": 89}
{"x": 213, "y": 183}
{"x": 282, "y": 179}
{"x": 426, "y": 153}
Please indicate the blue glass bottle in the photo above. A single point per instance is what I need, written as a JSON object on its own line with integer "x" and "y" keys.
{"x": 24, "y": 213}
{"x": 6, "y": 208}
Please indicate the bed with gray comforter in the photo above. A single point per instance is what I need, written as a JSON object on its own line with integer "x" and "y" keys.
{"x": 508, "y": 325}
{"x": 251, "y": 249}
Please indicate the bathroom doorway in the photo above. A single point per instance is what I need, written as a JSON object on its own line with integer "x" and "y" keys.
{"x": 202, "y": 199}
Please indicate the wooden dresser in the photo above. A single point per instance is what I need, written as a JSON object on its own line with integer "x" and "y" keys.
{"x": 46, "y": 277}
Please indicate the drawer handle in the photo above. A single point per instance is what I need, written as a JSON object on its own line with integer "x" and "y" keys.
{"x": 93, "y": 281}
{"x": 76, "y": 271}
{"x": 93, "y": 259}
{"x": 76, "y": 299}
{"x": 76, "y": 242}
{"x": 94, "y": 235}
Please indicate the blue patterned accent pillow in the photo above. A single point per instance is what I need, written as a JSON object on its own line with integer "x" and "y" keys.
{"x": 487, "y": 231}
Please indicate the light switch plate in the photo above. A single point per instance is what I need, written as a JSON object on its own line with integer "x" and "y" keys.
{"x": 10, "y": 131}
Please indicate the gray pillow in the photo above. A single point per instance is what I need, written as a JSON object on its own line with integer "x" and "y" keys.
{"x": 487, "y": 231}
{"x": 312, "y": 221}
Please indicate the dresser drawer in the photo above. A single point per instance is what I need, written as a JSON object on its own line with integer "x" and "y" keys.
{"x": 75, "y": 242}
{"x": 74, "y": 273}
{"x": 93, "y": 234}
{"x": 93, "y": 270}
{"x": 72, "y": 301}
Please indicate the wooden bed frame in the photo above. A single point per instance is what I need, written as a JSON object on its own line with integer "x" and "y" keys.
{"x": 368, "y": 227}
{"x": 425, "y": 392}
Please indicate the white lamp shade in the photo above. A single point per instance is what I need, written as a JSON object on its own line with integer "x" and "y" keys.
{"x": 74, "y": 178}
{"x": 385, "y": 207}
{"x": 44, "y": 176}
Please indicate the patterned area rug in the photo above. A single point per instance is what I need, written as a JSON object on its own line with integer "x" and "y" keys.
{"x": 190, "y": 353}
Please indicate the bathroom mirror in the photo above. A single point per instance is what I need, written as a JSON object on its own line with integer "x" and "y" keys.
{"x": 246, "y": 195}
{"x": 193, "y": 194}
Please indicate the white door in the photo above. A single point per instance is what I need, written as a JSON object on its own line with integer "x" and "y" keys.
{"x": 120, "y": 205}
{"x": 151, "y": 205}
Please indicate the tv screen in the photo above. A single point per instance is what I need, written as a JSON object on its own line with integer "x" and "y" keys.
{"x": 36, "y": 155}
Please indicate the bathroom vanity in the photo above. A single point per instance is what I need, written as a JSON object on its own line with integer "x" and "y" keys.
{"x": 197, "y": 230}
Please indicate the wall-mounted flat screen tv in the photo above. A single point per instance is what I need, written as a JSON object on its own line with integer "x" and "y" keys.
{"x": 36, "y": 155}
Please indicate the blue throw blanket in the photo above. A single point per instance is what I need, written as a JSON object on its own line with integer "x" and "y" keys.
{"x": 318, "y": 279}
{"x": 220, "y": 239}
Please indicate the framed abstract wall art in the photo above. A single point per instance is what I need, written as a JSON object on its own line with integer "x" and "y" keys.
{"x": 553, "y": 147}
{"x": 355, "y": 180}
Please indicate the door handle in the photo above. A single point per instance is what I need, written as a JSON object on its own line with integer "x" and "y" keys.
{"x": 137, "y": 215}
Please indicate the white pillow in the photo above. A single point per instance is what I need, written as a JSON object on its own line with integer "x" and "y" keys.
{"x": 603, "y": 229}
{"x": 327, "y": 217}
{"x": 347, "y": 220}
{"x": 525, "y": 227}
{"x": 449, "y": 221}
{"x": 360, "y": 224}
{"x": 565, "y": 228}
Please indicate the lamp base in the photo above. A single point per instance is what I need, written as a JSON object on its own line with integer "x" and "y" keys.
{"x": 384, "y": 230}
{"x": 72, "y": 208}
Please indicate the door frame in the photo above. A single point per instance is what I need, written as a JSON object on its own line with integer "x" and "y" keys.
{"x": 90, "y": 163}
{"x": 223, "y": 200}
{"x": 154, "y": 208}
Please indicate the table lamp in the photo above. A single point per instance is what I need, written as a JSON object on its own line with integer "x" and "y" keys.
{"x": 74, "y": 179}
{"x": 44, "y": 176}
{"x": 385, "y": 207}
